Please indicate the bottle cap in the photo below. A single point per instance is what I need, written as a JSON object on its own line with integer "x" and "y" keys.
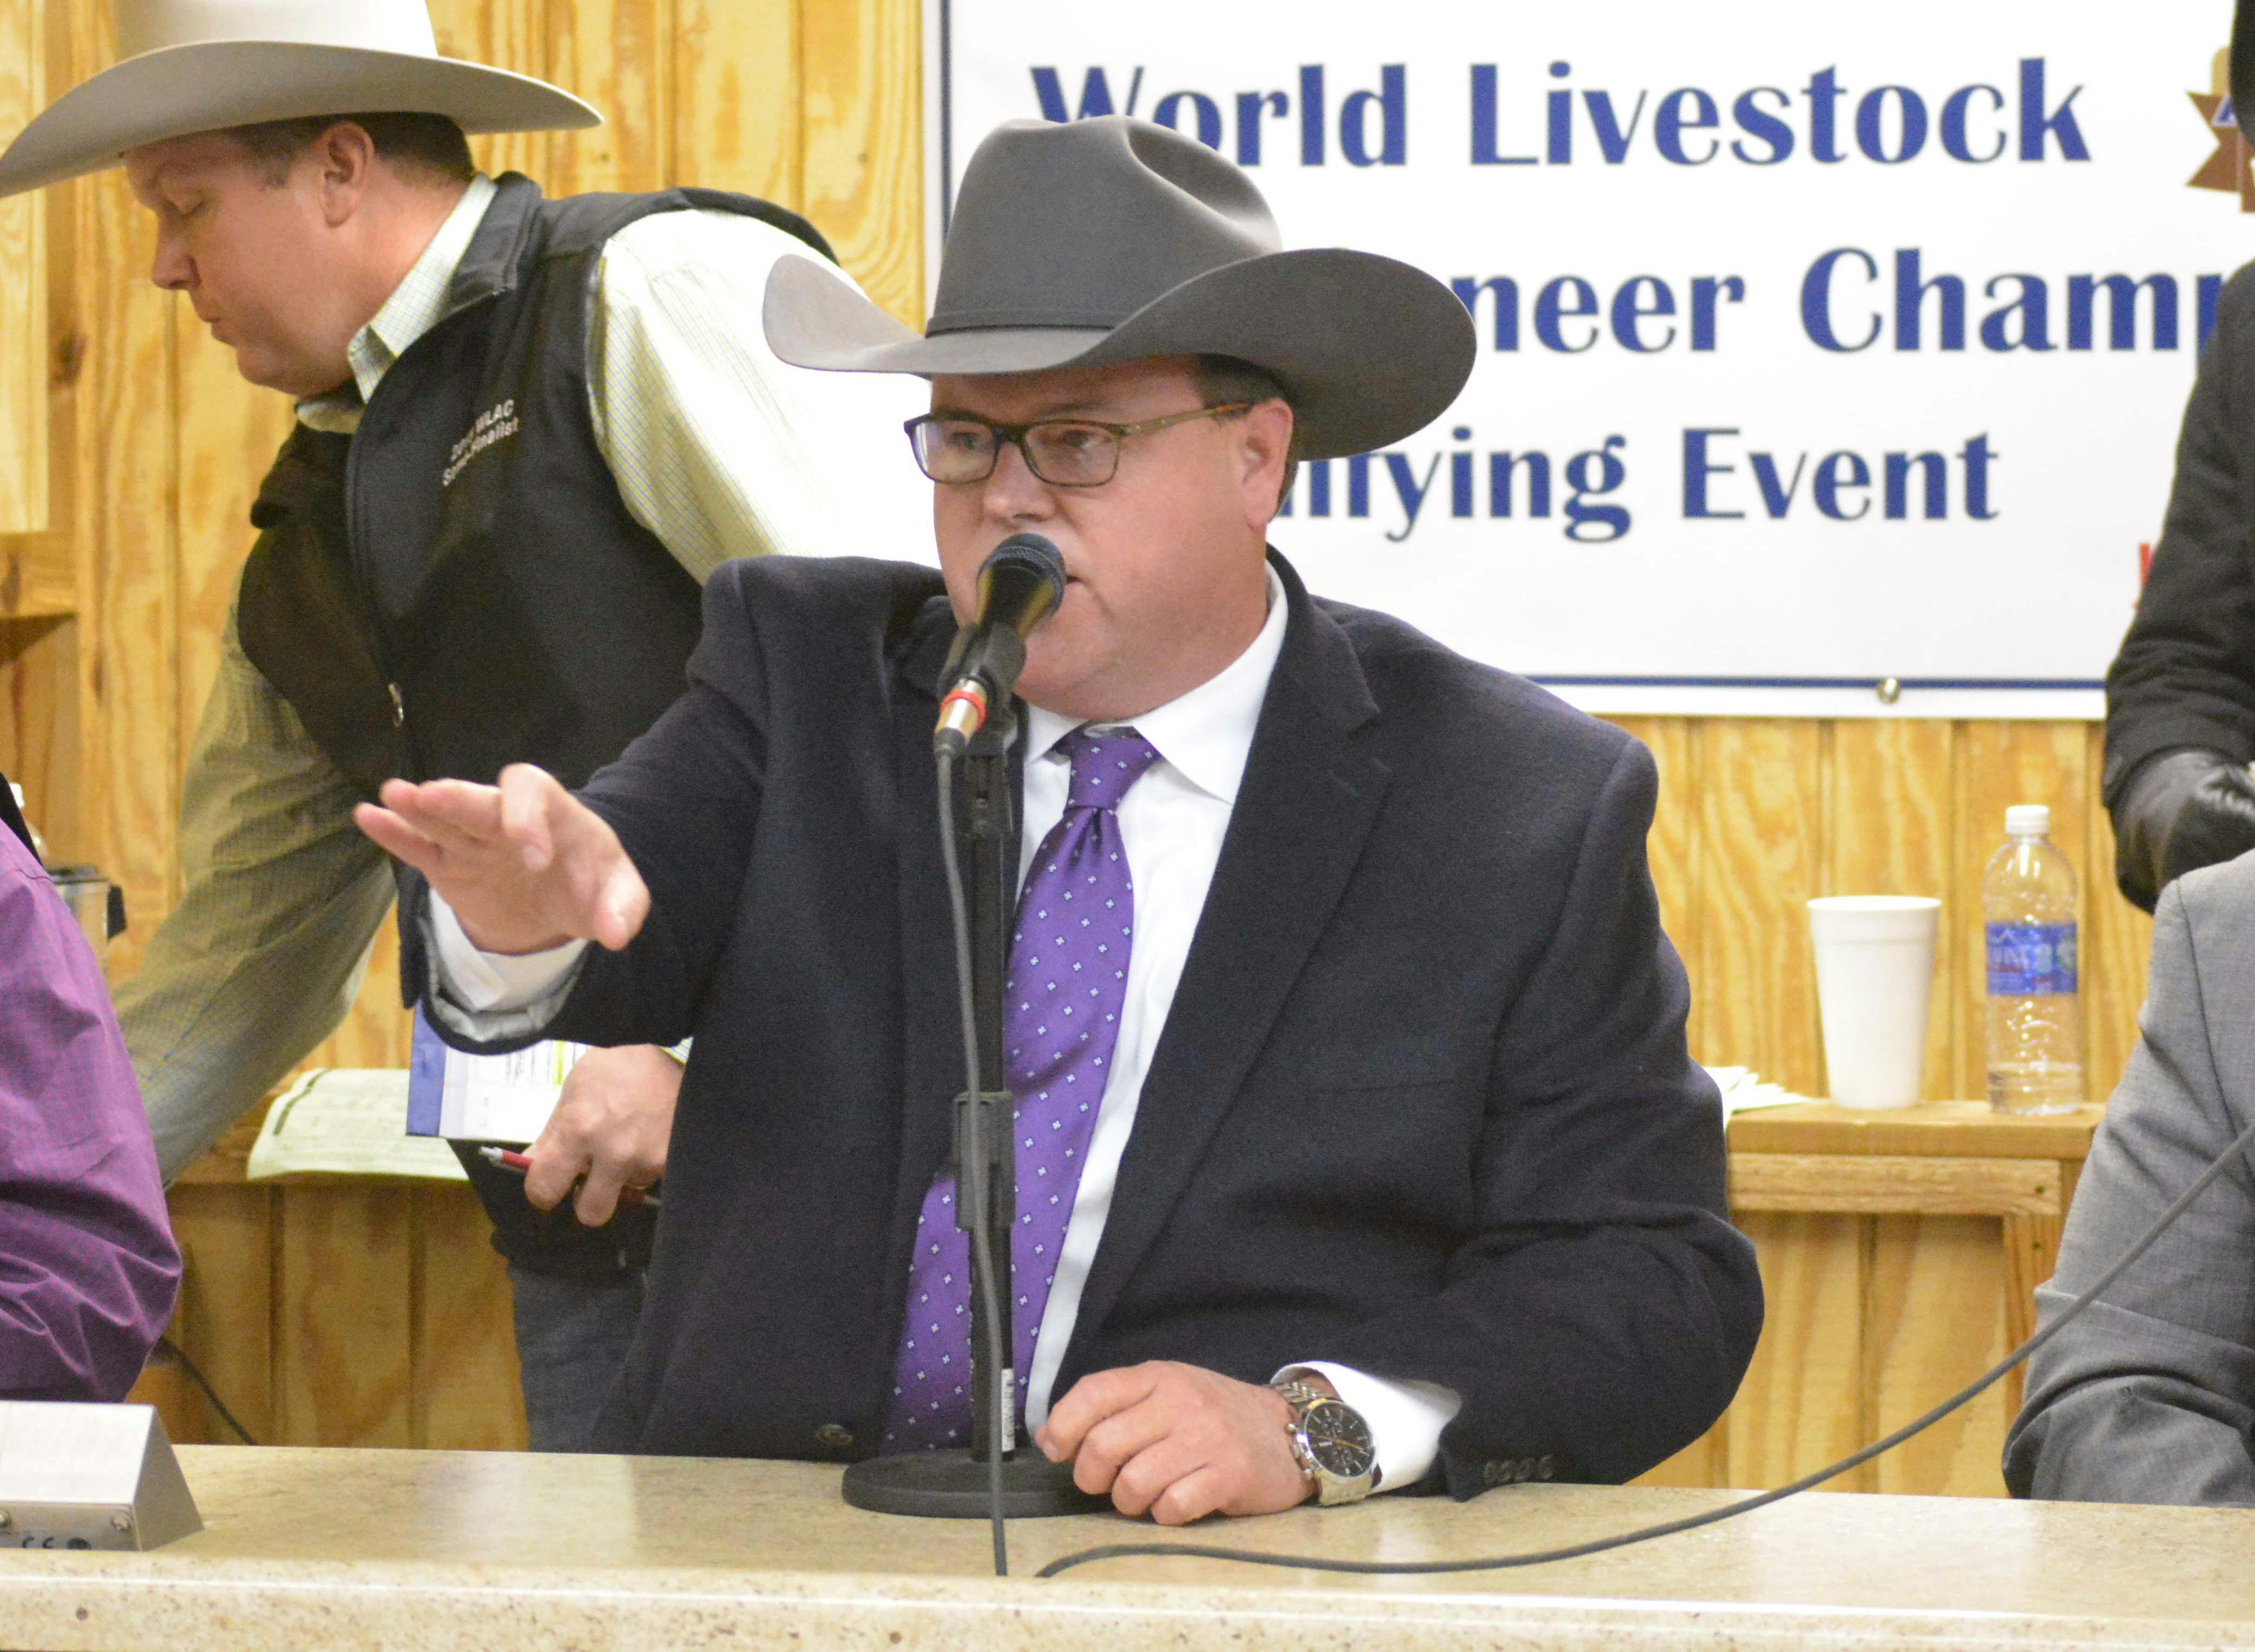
{"x": 2029, "y": 820}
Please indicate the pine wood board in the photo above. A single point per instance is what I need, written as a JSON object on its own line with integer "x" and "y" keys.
{"x": 737, "y": 112}
{"x": 1760, "y": 817}
{"x": 1889, "y": 1185}
{"x": 862, "y": 144}
{"x": 1798, "y": 1407}
{"x": 1887, "y": 809}
{"x": 24, "y": 426}
{"x": 504, "y": 34}
{"x": 1934, "y": 1321}
{"x": 2116, "y": 940}
{"x": 1957, "y": 1130}
{"x": 1672, "y": 844}
{"x": 344, "y": 1336}
{"x": 613, "y": 53}
{"x": 228, "y": 433}
{"x": 126, "y": 455}
{"x": 230, "y": 1289}
{"x": 39, "y": 727}
{"x": 38, "y": 571}
{"x": 466, "y": 1394}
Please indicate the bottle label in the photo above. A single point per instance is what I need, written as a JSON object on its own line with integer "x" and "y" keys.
{"x": 2031, "y": 960}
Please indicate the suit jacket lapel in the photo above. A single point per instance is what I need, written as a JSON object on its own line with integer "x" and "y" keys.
{"x": 1309, "y": 799}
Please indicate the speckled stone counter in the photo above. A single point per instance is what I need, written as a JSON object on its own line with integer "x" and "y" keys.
{"x": 493, "y": 1552}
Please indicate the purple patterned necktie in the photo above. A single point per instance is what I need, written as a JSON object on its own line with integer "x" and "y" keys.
{"x": 1068, "y": 980}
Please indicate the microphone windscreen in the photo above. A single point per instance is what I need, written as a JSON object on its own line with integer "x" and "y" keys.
{"x": 1020, "y": 555}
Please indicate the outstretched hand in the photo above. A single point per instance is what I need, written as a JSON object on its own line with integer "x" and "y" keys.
{"x": 525, "y": 865}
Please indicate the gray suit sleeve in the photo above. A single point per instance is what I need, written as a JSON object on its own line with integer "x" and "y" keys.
{"x": 2149, "y": 1397}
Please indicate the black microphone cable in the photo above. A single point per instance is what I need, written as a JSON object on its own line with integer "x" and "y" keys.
{"x": 1669, "y": 1529}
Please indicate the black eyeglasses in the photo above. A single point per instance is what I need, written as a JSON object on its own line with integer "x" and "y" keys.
{"x": 1064, "y": 453}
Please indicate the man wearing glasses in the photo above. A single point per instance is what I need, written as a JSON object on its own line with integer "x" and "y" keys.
{"x": 1346, "y": 1050}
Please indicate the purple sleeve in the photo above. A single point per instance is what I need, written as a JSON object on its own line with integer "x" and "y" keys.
{"x": 87, "y": 1266}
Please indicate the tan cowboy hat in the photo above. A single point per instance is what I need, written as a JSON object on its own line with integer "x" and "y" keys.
{"x": 1114, "y": 240}
{"x": 196, "y": 65}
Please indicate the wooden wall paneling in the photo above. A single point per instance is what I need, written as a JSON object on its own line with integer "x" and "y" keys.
{"x": 344, "y": 1335}
{"x": 22, "y": 302}
{"x": 1671, "y": 846}
{"x": 225, "y": 1320}
{"x": 1888, "y": 794}
{"x": 467, "y": 1394}
{"x": 39, "y": 572}
{"x": 1704, "y": 1462}
{"x": 1671, "y": 849}
{"x": 504, "y": 34}
{"x": 1800, "y": 1406}
{"x": 1760, "y": 854}
{"x": 2031, "y": 1257}
{"x": 613, "y": 53}
{"x": 736, "y": 108}
{"x": 42, "y": 744}
{"x": 67, "y": 337}
{"x": 862, "y": 69}
{"x": 39, "y": 726}
{"x": 1935, "y": 1320}
{"x": 227, "y": 431}
{"x": 2116, "y": 940}
{"x": 1998, "y": 764}
{"x": 126, "y": 481}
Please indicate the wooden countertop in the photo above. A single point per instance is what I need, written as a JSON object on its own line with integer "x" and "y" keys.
{"x": 1954, "y": 1129}
{"x": 1963, "y": 1129}
{"x": 499, "y": 1550}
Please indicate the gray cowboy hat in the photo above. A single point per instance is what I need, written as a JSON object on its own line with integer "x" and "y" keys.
{"x": 1114, "y": 240}
{"x": 198, "y": 66}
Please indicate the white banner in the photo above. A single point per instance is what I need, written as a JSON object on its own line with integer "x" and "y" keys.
{"x": 1831, "y": 358}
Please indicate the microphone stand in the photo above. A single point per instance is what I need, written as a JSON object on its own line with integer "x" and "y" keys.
{"x": 961, "y": 1484}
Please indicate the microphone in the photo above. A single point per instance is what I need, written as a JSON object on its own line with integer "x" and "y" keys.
{"x": 1020, "y": 582}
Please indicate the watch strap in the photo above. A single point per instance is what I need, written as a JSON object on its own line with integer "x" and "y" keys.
{"x": 1330, "y": 1487}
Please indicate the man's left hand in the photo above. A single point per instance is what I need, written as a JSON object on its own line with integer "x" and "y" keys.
{"x": 610, "y": 1126}
{"x": 1176, "y": 1442}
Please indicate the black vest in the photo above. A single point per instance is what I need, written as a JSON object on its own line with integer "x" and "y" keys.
{"x": 459, "y": 586}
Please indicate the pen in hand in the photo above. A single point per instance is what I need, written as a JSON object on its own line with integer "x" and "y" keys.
{"x": 506, "y": 1159}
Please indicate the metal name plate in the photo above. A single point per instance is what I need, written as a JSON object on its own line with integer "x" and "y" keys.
{"x": 76, "y": 1476}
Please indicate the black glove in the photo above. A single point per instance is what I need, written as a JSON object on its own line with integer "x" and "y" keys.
{"x": 2217, "y": 823}
{"x": 2208, "y": 794}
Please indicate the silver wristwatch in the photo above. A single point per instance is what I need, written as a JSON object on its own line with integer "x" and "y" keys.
{"x": 1330, "y": 1442}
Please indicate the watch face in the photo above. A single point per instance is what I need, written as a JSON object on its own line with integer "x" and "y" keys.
{"x": 1340, "y": 1440}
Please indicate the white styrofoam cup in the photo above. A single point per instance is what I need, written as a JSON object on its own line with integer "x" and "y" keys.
{"x": 1874, "y": 964}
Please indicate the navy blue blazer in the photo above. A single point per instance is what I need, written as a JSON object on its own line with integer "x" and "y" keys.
{"x": 1422, "y": 1105}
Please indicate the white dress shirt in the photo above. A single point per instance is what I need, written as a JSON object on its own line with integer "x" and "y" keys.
{"x": 1172, "y": 821}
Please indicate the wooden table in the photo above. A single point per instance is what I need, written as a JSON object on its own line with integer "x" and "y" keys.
{"x": 1898, "y": 1250}
{"x": 499, "y": 1550}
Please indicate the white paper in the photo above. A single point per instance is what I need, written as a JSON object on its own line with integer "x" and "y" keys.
{"x": 504, "y": 1097}
{"x": 1744, "y": 1090}
{"x": 348, "y": 1122}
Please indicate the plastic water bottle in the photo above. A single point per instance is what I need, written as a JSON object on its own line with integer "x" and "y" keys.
{"x": 2035, "y": 1016}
